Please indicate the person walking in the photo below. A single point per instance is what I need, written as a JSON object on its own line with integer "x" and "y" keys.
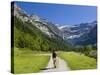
{"x": 54, "y": 55}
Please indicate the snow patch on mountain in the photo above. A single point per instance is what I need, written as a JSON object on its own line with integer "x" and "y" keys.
{"x": 74, "y": 36}
{"x": 64, "y": 26}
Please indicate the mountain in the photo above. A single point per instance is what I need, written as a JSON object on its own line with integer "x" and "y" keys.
{"x": 88, "y": 38}
{"x": 35, "y": 33}
{"x": 80, "y": 34}
{"x": 45, "y": 26}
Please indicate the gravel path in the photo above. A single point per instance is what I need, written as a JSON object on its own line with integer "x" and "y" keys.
{"x": 61, "y": 66}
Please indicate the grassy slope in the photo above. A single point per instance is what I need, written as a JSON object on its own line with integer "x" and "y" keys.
{"x": 28, "y": 62}
{"x": 77, "y": 61}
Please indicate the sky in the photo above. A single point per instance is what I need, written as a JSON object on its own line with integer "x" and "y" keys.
{"x": 62, "y": 14}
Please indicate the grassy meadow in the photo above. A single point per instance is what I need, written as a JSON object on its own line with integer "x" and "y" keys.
{"x": 77, "y": 61}
{"x": 28, "y": 62}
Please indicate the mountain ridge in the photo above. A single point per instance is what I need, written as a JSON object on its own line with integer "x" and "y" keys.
{"x": 68, "y": 33}
{"x": 35, "y": 33}
{"x": 75, "y": 33}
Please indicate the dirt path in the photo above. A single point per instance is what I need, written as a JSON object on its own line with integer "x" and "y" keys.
{"x": 61, "y": 66}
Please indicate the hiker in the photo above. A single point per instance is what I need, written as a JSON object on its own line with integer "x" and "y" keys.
{"x": 54, "y": 55}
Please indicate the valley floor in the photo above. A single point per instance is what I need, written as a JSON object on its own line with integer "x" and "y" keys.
{"x": 42, "y": 62}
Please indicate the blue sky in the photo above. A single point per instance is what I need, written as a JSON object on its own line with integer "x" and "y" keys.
{"x": 60, "y": 13}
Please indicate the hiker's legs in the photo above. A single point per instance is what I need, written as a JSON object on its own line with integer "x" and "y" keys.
{"x": 54, "y": 62}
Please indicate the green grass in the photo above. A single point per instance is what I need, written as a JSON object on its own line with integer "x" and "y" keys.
{"x": 26, "y": 62}
{"x": 78, "y": 62}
